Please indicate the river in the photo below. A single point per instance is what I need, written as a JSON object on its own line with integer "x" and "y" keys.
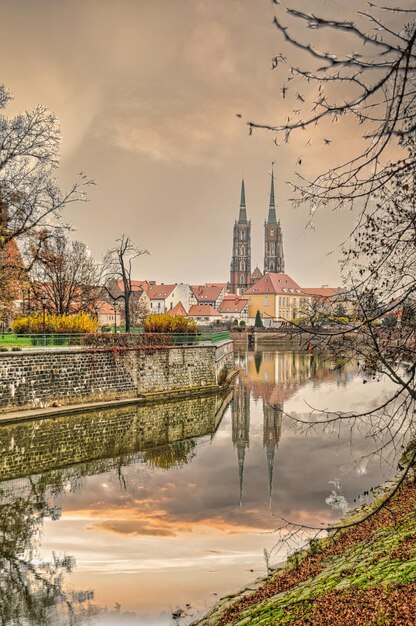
{"x": 131, "y": 514}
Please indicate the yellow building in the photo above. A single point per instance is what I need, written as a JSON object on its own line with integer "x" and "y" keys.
{"x": 277, "y": 297}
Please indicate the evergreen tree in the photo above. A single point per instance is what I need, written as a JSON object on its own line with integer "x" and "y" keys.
{"x": 258, "y": 322}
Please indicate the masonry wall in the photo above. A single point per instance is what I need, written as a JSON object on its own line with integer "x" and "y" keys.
{"x": 116, "y": 436}
{"x": 41, "y": 378}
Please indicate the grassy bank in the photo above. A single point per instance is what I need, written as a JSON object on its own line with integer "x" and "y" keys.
{"x": 364, "y": 575}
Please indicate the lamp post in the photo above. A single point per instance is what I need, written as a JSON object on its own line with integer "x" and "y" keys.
{"x": 96, "y": 310}
{"x": 115, "y": 318}
{"x": 43, "y": 300}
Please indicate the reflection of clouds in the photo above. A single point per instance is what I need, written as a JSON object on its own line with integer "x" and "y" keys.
{"x": 165, "y": 523}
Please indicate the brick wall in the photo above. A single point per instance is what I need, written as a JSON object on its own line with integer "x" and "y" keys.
{"x": 118, "y": 436}
{"x": 42, "y": 378}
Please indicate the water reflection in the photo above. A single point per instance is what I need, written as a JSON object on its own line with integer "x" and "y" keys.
{"x": 165, "y": 505}
{"x": 31, "y": 590}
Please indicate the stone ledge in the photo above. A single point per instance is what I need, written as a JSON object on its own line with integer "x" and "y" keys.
{"x": 147, "y": 398}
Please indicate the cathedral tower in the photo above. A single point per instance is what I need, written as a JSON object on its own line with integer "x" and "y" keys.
{"x": 273, "y": 241}
{"x": 240, "y": 419}
{"x": 272, "y": 428}
{"x": 240, "y": 271}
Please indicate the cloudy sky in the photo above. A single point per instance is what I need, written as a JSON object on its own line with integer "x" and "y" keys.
{"x": 149, "y": 94}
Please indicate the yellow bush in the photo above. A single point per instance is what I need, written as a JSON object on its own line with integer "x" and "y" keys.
{"x": 164, "y": 323}
{"x": 57, "y": 324}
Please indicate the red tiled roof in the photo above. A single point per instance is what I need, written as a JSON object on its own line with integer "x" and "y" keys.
{"x": 136, "y": 285}
{"x": 257, "y": 273}
{"x": 160, "y": 292}
{"x": 235, "y": 305}
{"x": 105, "y": 308}
{"x": 178, "y": 309}
{"x": 274, "y": 283}
{"x": 222, "y": 285}
{"x": 202, "y": 310}
{"x": 203, "y": 293}
{"x": 321, "y": 292}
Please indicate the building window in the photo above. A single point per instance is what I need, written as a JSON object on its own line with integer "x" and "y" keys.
{"x": 266, "y": 301}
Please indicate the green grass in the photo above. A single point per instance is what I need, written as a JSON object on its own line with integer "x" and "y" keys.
{"x": 361, "y": 567}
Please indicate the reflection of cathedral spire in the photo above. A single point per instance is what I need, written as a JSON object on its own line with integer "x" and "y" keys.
{"x": 240, "y": 415}
{"x": 272, "y": 428}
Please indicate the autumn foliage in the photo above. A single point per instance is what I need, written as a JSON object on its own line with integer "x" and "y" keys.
{"x": 163, "y": 323}
{"x": 59, "y": 324}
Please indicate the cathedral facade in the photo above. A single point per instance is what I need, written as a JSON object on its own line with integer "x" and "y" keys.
{"x": 240, "y": 271}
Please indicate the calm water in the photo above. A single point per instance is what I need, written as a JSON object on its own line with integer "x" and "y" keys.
{"x": 161, "y": 507}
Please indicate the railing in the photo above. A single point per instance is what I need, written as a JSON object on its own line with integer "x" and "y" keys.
{"x": 12, "y": 341}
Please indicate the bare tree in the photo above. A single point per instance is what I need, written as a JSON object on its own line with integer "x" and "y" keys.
{"x": 30, "y": 196}
{"x": 32, "y": 590}
{"x": 139, "y": 309}
{"x": 372, "y": 88}
{"x": 315, "y": 311}
{"x": 118, "y": 265}
{"x": 66, "y": 273}
{"x": 369, "y": 90}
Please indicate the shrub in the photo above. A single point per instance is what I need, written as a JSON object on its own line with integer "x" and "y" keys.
{"x": 164, "y": 323}
{"x": 57, "y": 324}
{"x": 258, "y": 323}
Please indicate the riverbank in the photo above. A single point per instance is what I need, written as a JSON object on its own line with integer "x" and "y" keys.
{"x": 38, "y": 379}
{"x": 365, "y": 574}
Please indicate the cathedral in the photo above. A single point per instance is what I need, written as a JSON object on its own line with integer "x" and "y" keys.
{"x": 240, "y": 272}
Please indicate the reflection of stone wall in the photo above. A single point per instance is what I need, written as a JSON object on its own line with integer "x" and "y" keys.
{"x": 40, "y": 378}
{"x": 41, "y": 445}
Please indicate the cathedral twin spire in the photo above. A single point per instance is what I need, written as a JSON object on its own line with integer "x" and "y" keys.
{"x": 240, "y": 271}
{"x": 242, "y": 218}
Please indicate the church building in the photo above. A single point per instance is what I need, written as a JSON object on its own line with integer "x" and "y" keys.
{"x": 240, "y": 271}
{"x": 241, "y": 277}
{"x": 273, "y": 241}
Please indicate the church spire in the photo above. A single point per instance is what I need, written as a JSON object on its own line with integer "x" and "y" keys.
{"x": 242, "y": 218}
{"x": 272, "y": 428}
{"x": 273, "y": 240}
{"x": 270, "y": 464}
{"x": 241, "y": 453}
{"x": 272, "y": 205}
{"x": 240, "y": 269}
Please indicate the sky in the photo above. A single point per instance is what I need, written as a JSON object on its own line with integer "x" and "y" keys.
{"x": 153, "y": 97}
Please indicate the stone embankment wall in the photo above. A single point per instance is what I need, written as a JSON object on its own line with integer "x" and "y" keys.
{"x": 114, "y": 436}
{"x": 41, "y": 378}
